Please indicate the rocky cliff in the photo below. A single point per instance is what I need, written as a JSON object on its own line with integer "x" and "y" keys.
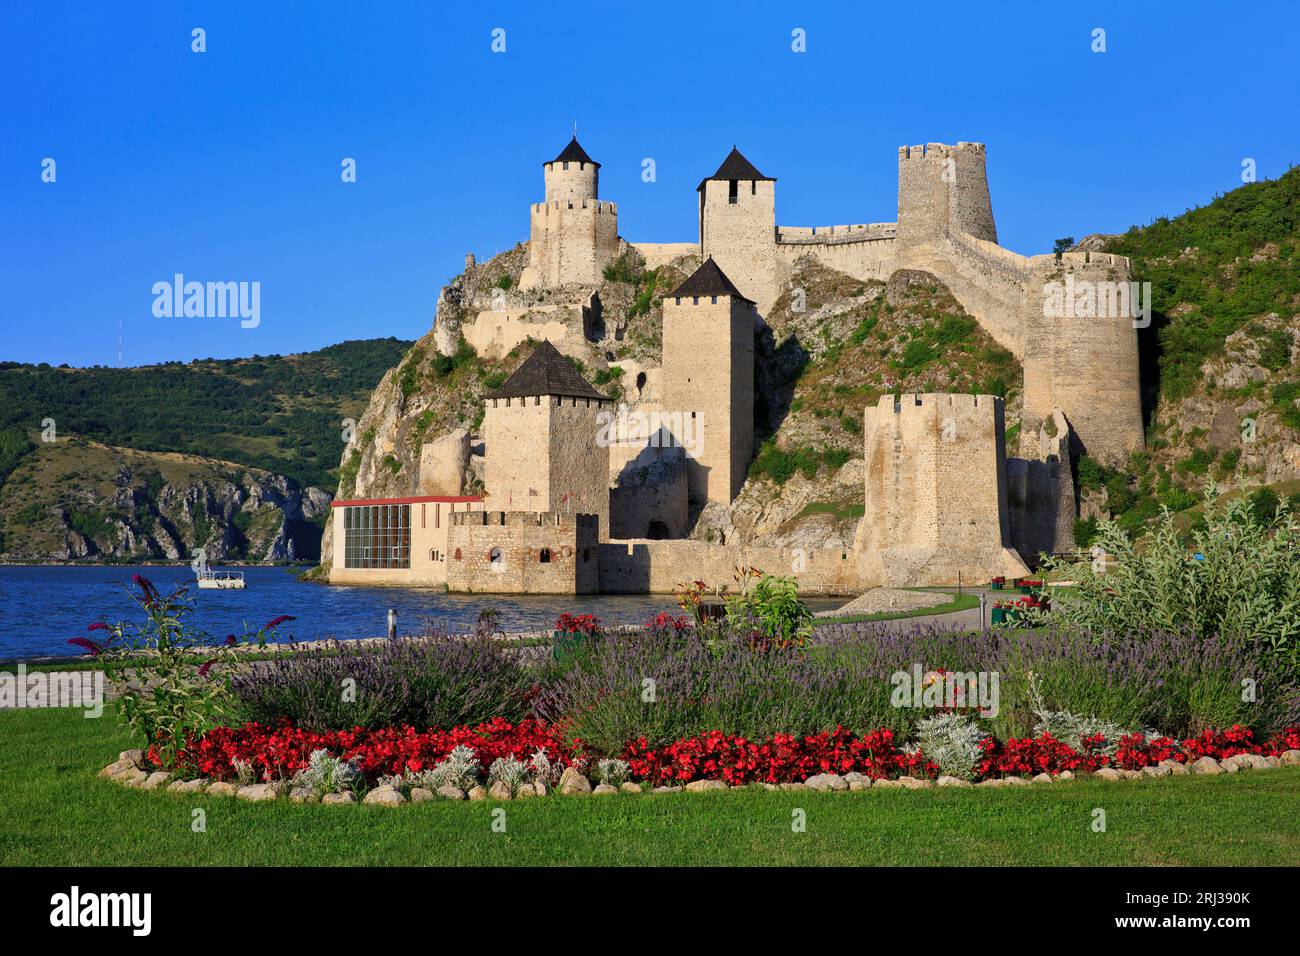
{"x": 79, "y": 500}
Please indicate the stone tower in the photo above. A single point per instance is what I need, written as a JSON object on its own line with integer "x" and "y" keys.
{"x": 708, "y": 376}
{"x": 572, "y": 235}
{"x": 936, "y": 489}
{"x": 943, "y": 187}
{"x": 540, "y": 429}
{"x": 738, "y": 227}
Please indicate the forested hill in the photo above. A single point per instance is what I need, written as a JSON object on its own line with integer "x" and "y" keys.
{"x": 282, "y": 413}
{"x": 1221, "y": 359}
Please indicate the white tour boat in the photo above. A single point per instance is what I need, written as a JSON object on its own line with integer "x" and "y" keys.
{"x": 222, "y": 580}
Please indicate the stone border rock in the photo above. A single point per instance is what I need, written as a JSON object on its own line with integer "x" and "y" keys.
{"x": 129, "y": 771}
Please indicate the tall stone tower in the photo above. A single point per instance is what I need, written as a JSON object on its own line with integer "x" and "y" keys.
{"x": 572, "y": 235}
{"x": 708, "y": 376}
{"x": 936, "y": 489}
{"x": 540, "y": 428}
{"x": 943, "y": 187}
{"x": 738, "y": 227}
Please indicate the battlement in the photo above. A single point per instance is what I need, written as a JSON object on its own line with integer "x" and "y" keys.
{"x": 556, "y": 401}
{"x": 599, "y": 205}
{"x": 909, "y": 402}
{"x": 556, "y": 165}
{"x": 1078, "y": 259}
{"x": 825, "y": 235}
{"x": 940, "y": 151}
{"x": 524, "y": 519}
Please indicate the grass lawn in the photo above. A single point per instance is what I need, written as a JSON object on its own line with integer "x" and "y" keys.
{"x": 55, "y": 811}
{"x": 959, "y": 602}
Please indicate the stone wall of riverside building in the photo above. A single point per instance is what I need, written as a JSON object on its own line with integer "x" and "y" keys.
{"x": 708, "y": 375}
{"x": 515, "y": 552}
{"x": 643, "y": 566}
{"x": 935, "y": 491}
{"x": 541, "y": 455}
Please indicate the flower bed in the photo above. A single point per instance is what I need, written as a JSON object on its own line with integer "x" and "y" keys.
{"x": 281, "y": 751}
{"x": 531, "y": 758}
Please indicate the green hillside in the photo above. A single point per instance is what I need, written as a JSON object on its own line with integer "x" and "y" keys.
{"x": 1214, "y": 269}
{"x": 279, "y": 413}
{"x": 1221, "y": 351}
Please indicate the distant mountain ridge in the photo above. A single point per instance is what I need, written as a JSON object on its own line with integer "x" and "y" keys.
{"x": 156, "y": 462}
{"x": 280, "y": 413}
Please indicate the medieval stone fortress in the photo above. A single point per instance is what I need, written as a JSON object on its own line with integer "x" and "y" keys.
{"x": 578, "y": 497}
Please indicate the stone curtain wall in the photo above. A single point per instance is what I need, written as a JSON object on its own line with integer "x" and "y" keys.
{"x": 935, "y": 490}
{"x": 658, "y": 254}
{"x": 1086, "y": 366}
{"x": 494, "y": 332}
{"x": 657, "y": 567}
{"x": 634, "y": 507}
{"x": 864, "y": 252}
{"x": 520, "y": 538}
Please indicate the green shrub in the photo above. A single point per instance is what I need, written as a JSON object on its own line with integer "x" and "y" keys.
{"x": 863, "y": 329}
{"x": 771, "y": 607}
{"x": 622, "y": 269}
{"x": 1245, "y": 586}
{"x": 916, "y": 354}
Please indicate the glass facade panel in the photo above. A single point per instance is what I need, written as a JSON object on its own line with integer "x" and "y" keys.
{"x": 377, "y": 536}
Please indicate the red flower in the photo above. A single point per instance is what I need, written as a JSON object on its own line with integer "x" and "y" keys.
{"x": 146, "y": 586}
{"x": 88, "y": 645}
{"x": 275, "y": 623}
{"x": 205, "y": 667}
{"x": 97, "y": 626}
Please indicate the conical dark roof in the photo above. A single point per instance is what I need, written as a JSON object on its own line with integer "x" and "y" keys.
{"x": 736, "y": 166}
{"x": 574, "y": 153}
{"x": 546, "y": 372}
{"x": 708, "y": 280}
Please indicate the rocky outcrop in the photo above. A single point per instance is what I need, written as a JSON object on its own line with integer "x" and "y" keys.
{"x": 76, "y": 500}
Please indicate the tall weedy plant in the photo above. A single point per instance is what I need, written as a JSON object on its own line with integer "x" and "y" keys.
{"x": 162, "y": 671}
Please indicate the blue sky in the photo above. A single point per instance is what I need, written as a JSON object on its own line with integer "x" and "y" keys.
{"x": 225, "y": 165}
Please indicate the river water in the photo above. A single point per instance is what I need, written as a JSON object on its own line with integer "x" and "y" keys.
{"x": 41, "y": 607}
